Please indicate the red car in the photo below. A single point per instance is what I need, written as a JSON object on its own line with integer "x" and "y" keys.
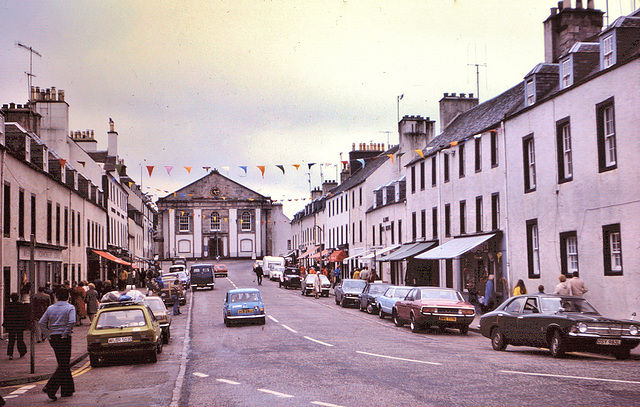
{"x": 220, "y": 270}
{"x": 433, "y": 306}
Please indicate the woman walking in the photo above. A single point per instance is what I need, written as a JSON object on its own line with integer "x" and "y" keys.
{"x": 520, "y": 288}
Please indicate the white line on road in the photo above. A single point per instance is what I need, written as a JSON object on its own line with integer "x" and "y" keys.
{"x": 317, "y": 341}
{"x": 177, "y": 389}
{"x": 272, "y": 318}
{"x": 275, "y": 393}
{"x": 23, "y": 389}
{"x": 570, "y": 377}
{"x": 290, "y": 329}
{"x": 227, "y": 381}
{"x": 200, "y": 374}
{"x": 403, "y": 359}
{"x": 320, "y": 403}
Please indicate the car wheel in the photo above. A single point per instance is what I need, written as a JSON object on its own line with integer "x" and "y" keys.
{"x": 370, "y": 309}
{"x": 94, "y": 360}
{"x": 623, "y": 354}
{"x": 165, "y": 337}
{"x": 414, "y": 325}
{"x": 396, "y": 319}
{"x": 381, "y": 313}
{"x": 153, "y": 356}
{"x": 193, "y": 289}
{"x": 498, "y": 341}
{"x": 464, "y": 329}
{"x": 159, "y": 346}
{"x": 557, "y": 346}
{"x": 342, "y": 303}
{"x": 262, "y": 321}
{"x": 227, "y": 323}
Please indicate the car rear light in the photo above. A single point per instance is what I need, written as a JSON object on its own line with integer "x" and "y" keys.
{"x": 467, "y": 311}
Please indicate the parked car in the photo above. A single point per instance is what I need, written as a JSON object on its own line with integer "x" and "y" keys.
{"x": 167, "y": 290}
{"x": 388, "y": 300}
{"x": 348, "y": 291}
{"x": 307, "y": 284}
{"x": 161, "y": 314}
{"x": 276, "y": 272}
{"x": 290, "y": 278}
{"x": 180, "y": 275}
{"x": 369, "y": 297}
{"x": 220, "y": 270}
{"x": 202, "y": 276}
{"x": 243, "y": 304}
{"x": 123, "y": 329}
{"x": 177, "y": 268}
{"x": 433, "y": 306}
{"x": 559, "y": 323}
{"x": 180, "y": 260}
{"x": 268, "y": 262}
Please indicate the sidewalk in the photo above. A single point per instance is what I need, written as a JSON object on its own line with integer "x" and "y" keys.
{"x": 17, "y": 371}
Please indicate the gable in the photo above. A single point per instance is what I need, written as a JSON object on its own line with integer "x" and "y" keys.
{"x": 214, "y": 186}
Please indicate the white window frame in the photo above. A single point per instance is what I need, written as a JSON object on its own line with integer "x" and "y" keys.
{"x": 610, "y": 152}
{"x": 535, "y": 246}
{"x": 615, "y": 251}
{"x": 530, "y": 92}
{"x": 215, "y": 222}
{"x": 572, "y": 254}
{"x": 607, "y": 52}
{"x": 567, "y": 73}
{"x": 531, "y": 163}
{"x": 245, "y": 221}
{"x": 184, "y": 225}
{"x": 567, "y": 151}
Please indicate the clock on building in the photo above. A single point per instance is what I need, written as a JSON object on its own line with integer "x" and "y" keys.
{"x": 215, "y": 191}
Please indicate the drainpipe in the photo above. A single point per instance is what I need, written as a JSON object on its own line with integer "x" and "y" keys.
{"x": 506, "y": 205}
{"x": 2, "y": 288}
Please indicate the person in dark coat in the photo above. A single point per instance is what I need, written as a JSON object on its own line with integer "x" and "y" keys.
{"x": 259, "y": 273}
{"x": 40, "y": 303}
{"x": 16, "y": 320}
{"x": 92, "y": 299}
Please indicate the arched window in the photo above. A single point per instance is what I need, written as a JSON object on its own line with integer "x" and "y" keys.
{"x": 245, "y": 221}
{"x": 215, "y": 221}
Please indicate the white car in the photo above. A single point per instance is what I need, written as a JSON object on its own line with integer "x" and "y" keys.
{"x": 276, "y": 272}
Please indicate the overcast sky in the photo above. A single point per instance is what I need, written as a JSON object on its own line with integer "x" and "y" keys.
{"x": 233, "y": 83}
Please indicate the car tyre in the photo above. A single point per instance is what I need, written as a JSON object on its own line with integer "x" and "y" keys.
{"x": 381, "y": 313}
{"x": 498, "y": 341}
{"x": 371, "y": 309}
{"x": 153, "y": 356}
{"x": 94, "y": 360}
{"x": 396, "y": 319}
{"x": 464, "y": 329}
{"x": 557, "y": 346}
{"x": 227, "y": 323}
{"x": 165, "y": 337}
{"x": 262, "y": 321}
{"x": 159, "y": 345}
{"x": 623, "y": 354}
{"x": 415, "y": 328}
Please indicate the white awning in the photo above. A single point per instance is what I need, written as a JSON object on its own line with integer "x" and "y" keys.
{"x": 355, "y": 256}
{"x": 454, "y": 248}
{"x": 380, "y": 252}
{"x": 409, "y": 250}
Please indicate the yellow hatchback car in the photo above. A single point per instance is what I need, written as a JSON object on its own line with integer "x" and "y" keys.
{"x": 124, "y": 329}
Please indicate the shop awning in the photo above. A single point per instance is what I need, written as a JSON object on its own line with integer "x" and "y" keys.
{"x": 409, "y": 250}
{"x": 355, "y": 256}
{"x": 337, "y": 256}
{"x": 454, "y": 248}
{"x": 380, "y": 252}
{"x": 290, "y": 254}
{"x": 111, "y": 257}
{"x": 322, "y": 254}
{"x": 309, "y": 252}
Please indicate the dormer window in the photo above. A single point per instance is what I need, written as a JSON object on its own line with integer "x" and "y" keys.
{"x": 530, "y": 92}
{"x": 607, "y": 52}
{"x": 566, "y": 73}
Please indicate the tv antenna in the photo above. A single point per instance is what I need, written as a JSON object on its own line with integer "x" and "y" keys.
{"x": 477, "y": 65}
{"x": 30, "y": 73}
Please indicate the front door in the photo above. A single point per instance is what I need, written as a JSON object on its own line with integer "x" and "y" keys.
{"x": 216, "y": 247}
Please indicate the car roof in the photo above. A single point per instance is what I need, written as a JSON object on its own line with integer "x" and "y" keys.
{"x": 243, "y": 290}
{"x": 202, "y": 265}
{"x": 435, "y": 288}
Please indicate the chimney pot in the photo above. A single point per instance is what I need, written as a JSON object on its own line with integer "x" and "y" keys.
{"x": 567, "y": 4}
{"x": 590, "y": 4}
{"x": 12, "y": 105}
{"x": 463, "y": 95}
{"x": 470, "y": 95}
{"x": 61, "y": 95}
{"x": 578, "y": 3}
{"x": 446, "y": 94}
{"x": 453, "y": 95}
{"x": 560, "y": 5}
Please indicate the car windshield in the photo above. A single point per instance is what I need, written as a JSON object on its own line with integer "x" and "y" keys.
{"x": 245, "y": 297}
{"x": 175, "y": 269}
{"x": 354, "y": 284}
{"x": 551, "y": 304}
{"x": 401, "y": 292}
{"x": 121, "y": 319}
{"x": 156, "y": 305}
{"x": 220, "y": 267}
{"x": 311, "y": 277}
{"x": 197, "y": 270}
{"x": 440, "y": 295}
{"x": 376, "y": 289}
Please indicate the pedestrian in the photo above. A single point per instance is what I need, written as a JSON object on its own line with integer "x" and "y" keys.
{"x": 25, "y": 293}
{"x": 122, "y": 279}
{"x": 49, "y": 291}
{"x": 317, "y": 285}
{"x": 489, "y": 294}
{"x": 373, "y": 277}
{"x": 16, "y": 321}
{"x": 563, "y": 287}
{"x": 356, "y": 274}
{"x": 540, "y": 289}
{"x": 92, "y": 301}
{"x": 39, "y": 304}
{"x": 364, "y": 274}
{"x": 337, "y": 274}
{"x": 78, "y": 300}
{"x": 577, "y": 286}
{"x": 520, "y": 288}
{"x": 174, "y": 288}
{"x": 259, "y": 272}
{"x": 57, "y": 324}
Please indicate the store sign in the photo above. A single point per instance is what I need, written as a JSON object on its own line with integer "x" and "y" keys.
{"x": 40, "y": 254}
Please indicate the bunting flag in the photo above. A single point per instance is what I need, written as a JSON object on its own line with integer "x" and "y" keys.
{"x": 344, "y": 163}
{"x": 311, "y": 165}
{"x": 453, "y": 143}
{"x": 391, "y": 156}
{"x": 281, "y": 168}
{"x": 188, "y": 169}
{"x": 226, "y": 168}
{"x": 361, "y": 161}
{"x": 130, "y": 183}
{"x": 262, "y": 168}
{"x": 297, "y": 166}
{"x": 244, "y": 167}
{"x": 62, "y": 162}
{"x": 206, "y": 168}
{"x": 150, "y": 169}
{"x": 420, "y": 153}
{"x": 168, "y": 168}
{"x": 82, "y": 163}
{"x": 399, "y": 155}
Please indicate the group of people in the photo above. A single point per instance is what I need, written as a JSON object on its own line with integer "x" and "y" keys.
{"x": 365, "y": 274}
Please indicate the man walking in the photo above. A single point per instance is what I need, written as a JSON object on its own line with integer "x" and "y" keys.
{"x": 57, "y": 324}
{"x": 337, "y": 273}
{"x": 41, "y": 301}
{"x": 577, "y": 286}
{"x": 16, "y": 320}
{"x": 259, "y": 273}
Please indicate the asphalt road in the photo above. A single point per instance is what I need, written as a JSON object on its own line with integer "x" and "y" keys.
{"x": 313, "y": 352}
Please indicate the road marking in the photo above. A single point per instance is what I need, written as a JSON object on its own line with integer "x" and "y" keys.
{"x": 11, "y": 396}
{"x": 177, "y": 389}
{"x": 403, "y": 359}
{"x": 272, "y": 318}
{"x": 570, "y": 377}
{"x": 200, "y": 374}
{"x": 227, "y": 381}
{"x": 275, "y": 393}
{"x": 317, "y": 341}
{"x": 290, "y": 329}
{"x": 320, "y": 403}
{"x": 82, "y": 370}
{"x": 23, "y": 389}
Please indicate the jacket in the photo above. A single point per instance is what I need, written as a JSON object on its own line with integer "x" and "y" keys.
{"x": 577, "y": 287}
{"x": 16, "y": 317}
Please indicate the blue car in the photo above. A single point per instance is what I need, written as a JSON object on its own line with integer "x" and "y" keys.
{"x": 388, "y": 300}
{"x": 243, "y": 304}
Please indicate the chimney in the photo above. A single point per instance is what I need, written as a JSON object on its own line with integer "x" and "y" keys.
{"x": 567, "y": 26}
{"x": 112, "y": 148}
{"x": 451, "y": 106}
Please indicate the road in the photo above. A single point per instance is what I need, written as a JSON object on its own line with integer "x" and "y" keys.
{"x": 313, "y": 352}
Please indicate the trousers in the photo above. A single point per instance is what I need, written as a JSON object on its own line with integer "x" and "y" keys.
{"x": 16, "y": 337}
{"x": 61, "y": 378}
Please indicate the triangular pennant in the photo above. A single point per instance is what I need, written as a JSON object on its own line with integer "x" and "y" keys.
{"x": 188, "y": 169}
{"x": 244, "y": 167}
{"x": 82, "y": 163}
{"x": 262, "y": 168}
{"x": 344, "y": 162}
{"x": 391, "y": 156}
{"x": 420, "y": 153}
{"x": 297, "y": 166}
{"x": 311, "y": 165}
{"x": 206, "y": 168}
{"x": 399, "y": 155}
{"x": 281, "y": 168}
{"x": 169, "y": 168}
{"x": 62, "y": 162}
{"x": 454, "y": 143}
{"x": 226, "y": 168}
{"x": 150, "y": 169}
{"x": 361, "y": 161}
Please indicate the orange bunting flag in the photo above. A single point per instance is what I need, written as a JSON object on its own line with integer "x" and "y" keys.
{"x": 262, "y": 168}
{"x": 150, "y": 169}
{"x": 453, "y": 143}
{"x": 420, "y": 153}
{"x": 188, "y": 169}
{"x": 297, "y": 166}
{"x": 62, "y": 162}
{"x": 391, "y": 156}
{"x": 82, "y": 163}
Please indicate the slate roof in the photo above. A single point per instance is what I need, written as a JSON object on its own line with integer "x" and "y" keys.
{"x": 361, "y": 175}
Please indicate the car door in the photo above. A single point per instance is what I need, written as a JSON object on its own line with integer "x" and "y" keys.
{"x": 508, "y": 318}
{"x": 530, "y": 329}
{"x": 364, "y": 296}
{"x": 404, "y": 307}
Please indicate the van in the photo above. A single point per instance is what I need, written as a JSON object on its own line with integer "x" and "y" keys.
{"x": 268, "y": 263}
{"x": 202, "y": 276}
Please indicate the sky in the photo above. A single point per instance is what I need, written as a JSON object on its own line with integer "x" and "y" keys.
{"x": 228, "y": 84}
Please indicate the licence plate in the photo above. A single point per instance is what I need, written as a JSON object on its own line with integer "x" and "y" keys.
{"x": 245, "y": 311}
{"x": 449, "y": 319}
{"x": 121, "y": 339}
{"x": 613, "y": 342}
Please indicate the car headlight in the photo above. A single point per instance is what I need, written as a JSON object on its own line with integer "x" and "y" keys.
{"x": 428, "y": 310}
{"x": 582, "y": 327}
{"x": 633, "y": 330}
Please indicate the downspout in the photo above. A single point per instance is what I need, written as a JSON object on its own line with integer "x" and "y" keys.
{"x": 506, "y": 205}
{"x": 2, "y": 288}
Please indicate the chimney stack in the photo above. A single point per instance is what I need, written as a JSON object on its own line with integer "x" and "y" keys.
{"x": 451, "y": 106}
{"x": 567, "y": 26}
